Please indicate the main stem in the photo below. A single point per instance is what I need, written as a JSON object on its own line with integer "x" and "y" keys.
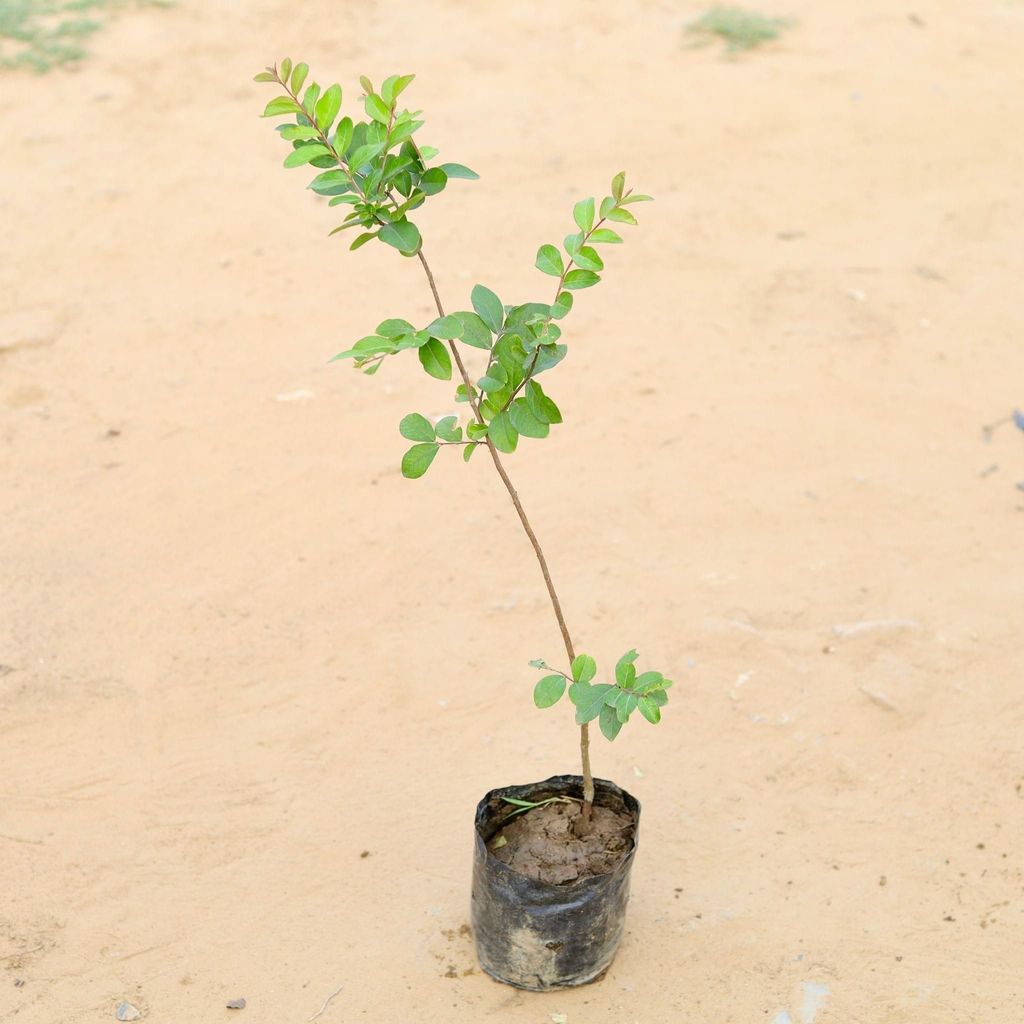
{"x": 588, "y": 778}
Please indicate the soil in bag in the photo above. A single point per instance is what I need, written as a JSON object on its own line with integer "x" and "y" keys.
{"x": 554, "y": 845}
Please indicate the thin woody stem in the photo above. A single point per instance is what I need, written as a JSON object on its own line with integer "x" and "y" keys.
{"x": 588, "y": 778}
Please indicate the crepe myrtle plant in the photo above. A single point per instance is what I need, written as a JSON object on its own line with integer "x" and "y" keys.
{"x": 370, "y": 162}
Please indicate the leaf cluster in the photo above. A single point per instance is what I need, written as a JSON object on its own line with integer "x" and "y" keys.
{"x": 611, "y": 703}
{"x": 375, "y": 166}
{"x": 368, "y": 160}
{"x": 522, "y": 341}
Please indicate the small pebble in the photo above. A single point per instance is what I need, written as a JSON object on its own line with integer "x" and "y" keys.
{"x": 125, "y": 1011}
{"x": 236, "y": 1004}
{"x": 19, "y": 982}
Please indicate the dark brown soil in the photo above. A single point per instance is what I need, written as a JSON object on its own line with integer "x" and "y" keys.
{"x": 551, "y": 844}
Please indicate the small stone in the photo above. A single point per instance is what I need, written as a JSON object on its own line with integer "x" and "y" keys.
{"x": 236, "y": 1004}
{"x": 125, "y": 1011}
{"x": 19, "y": 982}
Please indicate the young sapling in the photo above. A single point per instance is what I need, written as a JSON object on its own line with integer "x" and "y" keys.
{"x": 372, "y": 164}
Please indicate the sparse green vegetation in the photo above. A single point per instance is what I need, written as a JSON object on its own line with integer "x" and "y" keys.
{"x": 42, "y": 34}
{"x": 739, "y": 29}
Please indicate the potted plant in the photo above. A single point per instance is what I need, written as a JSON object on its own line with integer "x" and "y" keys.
{"x": 552, "y": 858}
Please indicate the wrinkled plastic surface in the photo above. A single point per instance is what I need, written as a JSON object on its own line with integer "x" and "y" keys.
{"x": 539, "y": 936}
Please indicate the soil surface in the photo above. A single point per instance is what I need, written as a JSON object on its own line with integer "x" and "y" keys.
{"x": 550, "y": 844}
{"x": 234, "y": 640}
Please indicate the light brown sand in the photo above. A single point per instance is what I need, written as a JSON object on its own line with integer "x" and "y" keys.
{"x": 239, "y": 641}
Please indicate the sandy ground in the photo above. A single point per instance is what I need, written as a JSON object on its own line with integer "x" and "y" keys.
{"x": 240, "y": 650}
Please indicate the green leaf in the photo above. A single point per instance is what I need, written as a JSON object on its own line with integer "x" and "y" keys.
{"x": 281, "y": 105}
{"x": 446, "y": 327}
{"x": 394, "y": 328}
{"x": 474, "y": 331}
{"x": 607, "y": 205}
{"x": 464, "y": 393}
{"x": 366, "y": 84}
{"x": 625, "y": 669}
{"x": 605, "y": 235}
{"x": 459, "y": 171}
{"x": 588, "y": 259}
{"x": 583, "y": 214}
{"x": 577, "y": 279}
{"x": 435, "y": 359}
{"x": 366, "y": 236}
{"x": 561, "y": 306}
{"x": 387, "y": 89}
{"x": 590, "y": 702}
{"x": 625, "y": 706}
{"x": 331, "y": 183}
{"x": 550, "y": 355}
{"x": 309, "y": 98}
{"x": 584, "y": 668}
{"x": 572, "y": 243}
{"x": 299, "y": 77}
{"x": 303, "y": 155}
{"x": 467, "y": 452}
{"x": 609, "y": 722}
{"x": 368, "y": 346}
{"x": 353, "y": 223}
{"x": 657, "y": 697}
{"x": 618, "y": 184}
{"x": 417, "y": 460}
{"x": 392, "y": 87}
{"x": 494, "y": 379}
{"x": 343, "y": 135}
{"x": 298, "y": 133}
{"x": 327, "y": 108}
{"x": 540, "y": 405}
{"x": 265, "y": 76}
{"x": 364, "y": 154}
{"x": 489, "y": 307}
{"x": 377, "y": 109}
{"x": 433, "y": 181}
{"x": 548, "y": 691}
{"x": 403, "y": 130}
{"x": 636, "y": 197}
{"x": 415, "y": 427}
{"x": 503, "y": 435}
{"x": 447, "y": 430}
{"x": 525, "y": 422}
{"x": 477, "y": 431}
{"x": 647, "y": 681}
{"x": 286, "y": 69}
{"x": 549, "y": 260}
{"x": 624, "y": 216}
{"x": 649, "y": 710}
{"x": 403, "y": 235}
